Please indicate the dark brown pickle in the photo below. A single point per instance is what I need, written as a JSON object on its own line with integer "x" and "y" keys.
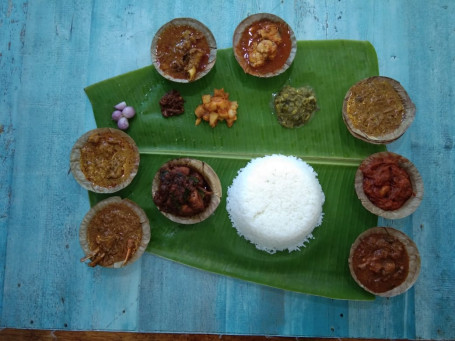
{"x": 380, "y": 262}
{"x": 386, "y": 184}
{"x": 182, "y": 191}
{"x": 172, "y": 104}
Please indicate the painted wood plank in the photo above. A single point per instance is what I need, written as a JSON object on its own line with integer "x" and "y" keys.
{"x": 12, "y": 25}
{"x": 51, "y": 51}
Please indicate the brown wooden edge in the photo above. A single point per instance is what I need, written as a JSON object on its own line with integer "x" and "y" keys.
{"x": 8, "y": 334}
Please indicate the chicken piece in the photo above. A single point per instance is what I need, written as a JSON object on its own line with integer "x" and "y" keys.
{"x": 195, "y": 201}
{"x": 185, "y": 42}
{"x": 270, "y": 32}
{"x": 192, "y": 61}
{"x": 388, "y": 267}
{"x": 261, "y": 52}
{"x": 268, "y": 48}
{"x": 182, "y": 170}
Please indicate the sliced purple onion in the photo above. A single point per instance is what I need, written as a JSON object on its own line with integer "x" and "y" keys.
{"x": 123, "y": 123}
{"x": 116, "y": 115}
{"x": 128, "y": 112}
{"x": 120, "y": 106}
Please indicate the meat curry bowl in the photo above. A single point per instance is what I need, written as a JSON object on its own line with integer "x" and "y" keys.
{"x": 384, "y": 261}
{"x": 183, "y": 50}
{"x": 389, "y": 185}
{"x": 114, "y": 233}
{"x": 104, "y": 160}
{"x": 186, "y": 191}
{"x": 264, "y": 45}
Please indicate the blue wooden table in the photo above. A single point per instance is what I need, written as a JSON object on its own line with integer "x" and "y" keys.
{"x": 51, "y": 50}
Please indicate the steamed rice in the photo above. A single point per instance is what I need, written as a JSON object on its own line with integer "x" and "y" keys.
{"x": 275, "y": 202}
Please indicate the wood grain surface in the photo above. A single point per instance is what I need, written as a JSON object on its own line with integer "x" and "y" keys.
{"x": 51, "y": 50}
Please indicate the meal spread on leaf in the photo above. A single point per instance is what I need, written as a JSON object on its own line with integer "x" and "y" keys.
{"x": 275, "y": 202}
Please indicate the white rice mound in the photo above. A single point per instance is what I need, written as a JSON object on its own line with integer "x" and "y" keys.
{"x": 275, "y": 202}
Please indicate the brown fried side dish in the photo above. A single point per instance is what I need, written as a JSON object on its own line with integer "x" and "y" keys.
{"x": 183, "y": 191}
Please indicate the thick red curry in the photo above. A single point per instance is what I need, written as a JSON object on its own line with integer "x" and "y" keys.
{"x": 386, "y": 184}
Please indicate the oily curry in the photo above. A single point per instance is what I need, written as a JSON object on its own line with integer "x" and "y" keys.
{"x": 265, "y": 46}
{"x": 182, "y": 51}
{"x": 114, "y": 235}
{"x": 107, "y": 159}
{"x": 381, "y": 262}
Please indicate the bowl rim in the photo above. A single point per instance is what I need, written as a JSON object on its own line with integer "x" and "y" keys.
{"x": 145, "y": 225}
{"x": 411, "y": 249}
{"x": 79, "y": 175}
{"x": 196, "y": 24}
{"x": 247, "y": 22}
{"x": 209, "y": 175}
{"x": 410, "y": 206}
{"x": 409, "y": 108}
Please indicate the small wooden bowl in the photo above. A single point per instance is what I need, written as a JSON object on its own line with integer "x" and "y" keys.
{"x": 199, "y": 27}
{"x": 410, "y": 205}
{"x": 244, "y": 25}
{"x": 131, "y": 165}
{"x": 210, "y": 177}
{"x": 145, "y": 226}
{"x": 411, "y": 249}
{"x": 408, "y": 117}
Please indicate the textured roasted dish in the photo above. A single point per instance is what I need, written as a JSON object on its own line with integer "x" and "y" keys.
{"x": 194, "y": 182}
{"x": 378, "y": 110}
{"x": 104, "y": 160}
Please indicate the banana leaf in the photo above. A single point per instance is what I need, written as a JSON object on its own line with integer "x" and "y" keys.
{"x": 330, "y": 68}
